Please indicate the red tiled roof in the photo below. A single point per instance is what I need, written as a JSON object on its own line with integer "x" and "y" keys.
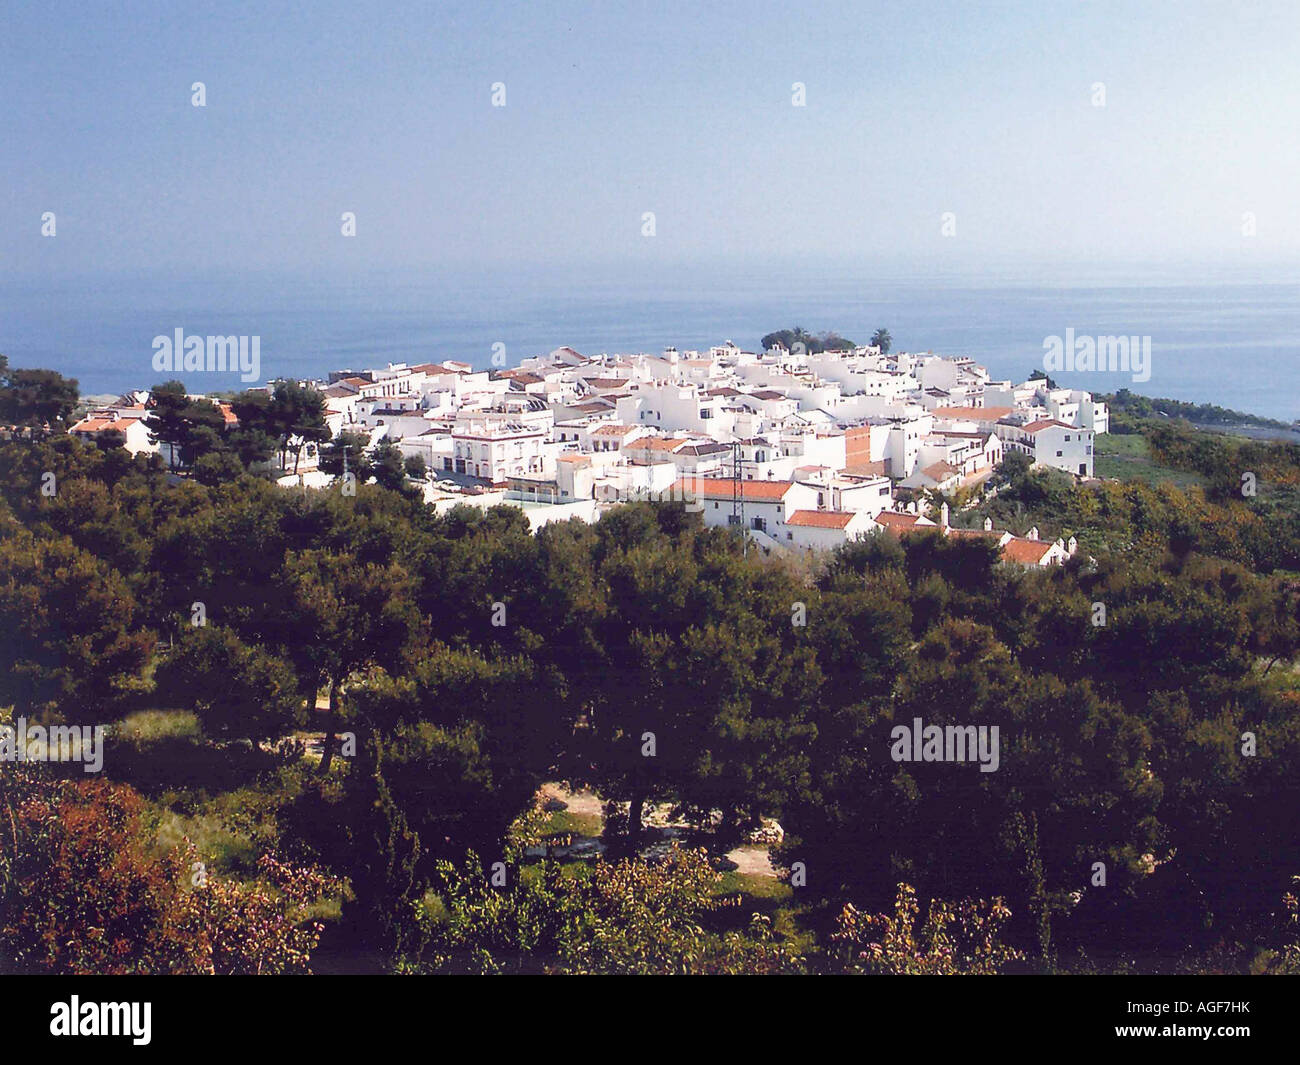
{"x": 866, "y": 469}
{"x": 904, "y": 523}
{"x": 99, "y": 424}
{"x": 821, "y": 519}
{"x": 751, "y": 491}
{"x": 940, "y": 471}
{"x": 1026, "y": 552}
{"x": 426, "y": 367}
{"x": 1044, "y": 423}
{"x": 659, "y": 443}
{"x": 975, "y": 414}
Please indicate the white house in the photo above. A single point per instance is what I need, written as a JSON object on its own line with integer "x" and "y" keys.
{"x": 823, "y": 530}
{"x": 135, "y": 437}
{"x": 1051, "y": 443}
{"x": 767, "y": 504}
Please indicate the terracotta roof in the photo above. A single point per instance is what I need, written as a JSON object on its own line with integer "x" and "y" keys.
{"x": 660, "y": 443}
{"x": 821, "y": 519}
{"x": 1044, "y": 423}
{"x": 1026, "y": 552}
{"x": 99, "y": 424}
{"x": 751, "y": 491}
{"x": 614, "y": 430}
{"x": 940, "y": 471}
{"x": 901, "y": 523}
{"x": 973, "y": 414}
{"x": 867, "y": 469}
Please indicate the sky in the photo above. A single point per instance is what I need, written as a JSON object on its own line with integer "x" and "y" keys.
{"x": 986, "y": 112}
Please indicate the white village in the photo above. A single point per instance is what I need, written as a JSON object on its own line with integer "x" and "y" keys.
{"x": 805, "y": 451}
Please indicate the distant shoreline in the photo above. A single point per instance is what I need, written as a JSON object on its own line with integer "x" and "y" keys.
{"x": 1253, "y": 430}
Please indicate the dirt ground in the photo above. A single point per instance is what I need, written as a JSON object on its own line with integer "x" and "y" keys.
{"x": 751, "y": 860}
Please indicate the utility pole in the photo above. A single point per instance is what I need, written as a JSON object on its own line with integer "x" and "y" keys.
{"x": 738, "y": 495}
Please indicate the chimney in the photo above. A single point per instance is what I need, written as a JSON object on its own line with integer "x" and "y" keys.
{"x": 943, "y": 517}
{"x": 1072, "y": 545}
{"x": 988, "y": 524}
{"x": 1032, "y": 534}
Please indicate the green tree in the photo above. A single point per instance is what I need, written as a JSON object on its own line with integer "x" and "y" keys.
{"x": 346, "y": 451}
{"x": 387, "y": 466}
{"x": 38, "y": 400}
{"x": 341, "y": 616}
{"x": 236, "y": 690}
{"x": 70, "y": 643}
{"x": 296, "y": 417}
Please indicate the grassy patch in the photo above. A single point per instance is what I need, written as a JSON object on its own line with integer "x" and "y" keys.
{"x": 753, "y": 886}
{"x": 224, "y": 850}
{"x": 566, "y": 822}
{"x": 156, "y": 726}
{"x": 1128, "y": 458}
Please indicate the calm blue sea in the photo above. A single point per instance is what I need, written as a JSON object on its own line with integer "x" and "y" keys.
{"x": 1227, "y": 341}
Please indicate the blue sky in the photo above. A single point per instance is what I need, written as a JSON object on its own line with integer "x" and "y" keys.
{"x": 913, "y": 110}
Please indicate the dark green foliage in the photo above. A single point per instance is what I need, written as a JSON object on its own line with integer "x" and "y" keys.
{"x": 472, "y": 660}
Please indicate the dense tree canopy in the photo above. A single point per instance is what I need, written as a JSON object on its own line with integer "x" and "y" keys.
{"x": 459, "y": 661}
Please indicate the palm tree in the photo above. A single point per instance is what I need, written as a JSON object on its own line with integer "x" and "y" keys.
{"x": 881, "y": 339}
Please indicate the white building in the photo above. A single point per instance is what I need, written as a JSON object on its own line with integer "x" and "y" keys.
{"x": 1051, "y": 443}
{"x": 494, "y": 448}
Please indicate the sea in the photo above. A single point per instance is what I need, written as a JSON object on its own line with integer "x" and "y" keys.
{"x": 1223, "y": 338}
